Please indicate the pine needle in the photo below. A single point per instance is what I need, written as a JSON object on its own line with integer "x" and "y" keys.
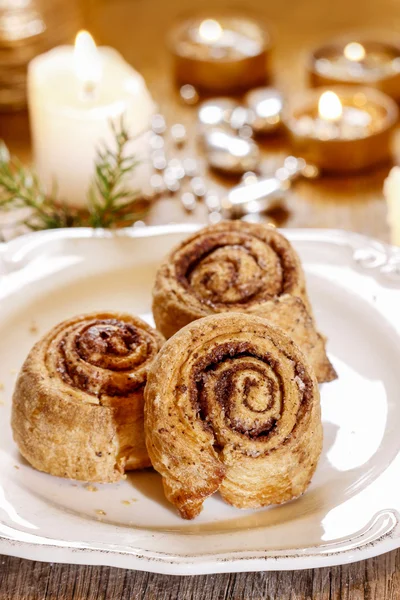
{"x": 110, "y": 202}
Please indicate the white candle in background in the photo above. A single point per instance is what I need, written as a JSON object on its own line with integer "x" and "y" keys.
{"x": 391, "y": 190}
{"x": 73, "y": 93}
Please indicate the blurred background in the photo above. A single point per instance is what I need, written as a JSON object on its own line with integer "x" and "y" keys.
{"x": 139, "y": 27}
{"x": 138, "y": 30}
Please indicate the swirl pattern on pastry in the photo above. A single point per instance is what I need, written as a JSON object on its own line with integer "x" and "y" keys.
{"x": 232, "y": 405}
{"x": 240, "y": 267}
{"x": 78, "y": 400}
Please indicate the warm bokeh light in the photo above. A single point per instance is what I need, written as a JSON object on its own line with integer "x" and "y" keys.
{"x": 269, "y": 107}
{"x": 210, "y": 115}
{"x": 329, "y": 106}
{"x": 354, "y": 51}
{"x": 210, "y": 30}
{"x": 86, "y": 59}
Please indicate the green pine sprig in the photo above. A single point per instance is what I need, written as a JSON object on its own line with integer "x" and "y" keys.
{"x": 110, "y": 202}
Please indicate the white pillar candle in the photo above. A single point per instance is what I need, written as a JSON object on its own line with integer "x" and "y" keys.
{"x": 391, "y": 191}
{"x": 73, "y": 94}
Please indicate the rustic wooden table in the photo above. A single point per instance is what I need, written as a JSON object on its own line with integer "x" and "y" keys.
{"x": 137, "y": 28}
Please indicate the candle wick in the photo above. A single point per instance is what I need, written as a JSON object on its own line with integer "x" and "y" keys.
{"x": 89, "y": 90}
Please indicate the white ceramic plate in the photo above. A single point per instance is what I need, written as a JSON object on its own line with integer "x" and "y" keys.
{"x": 350, "y": 512}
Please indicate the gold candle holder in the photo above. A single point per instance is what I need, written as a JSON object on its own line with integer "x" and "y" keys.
{"x": 226, "y": 54}
{"x": 369, "y": 63}
{"x": 343, "y": 129}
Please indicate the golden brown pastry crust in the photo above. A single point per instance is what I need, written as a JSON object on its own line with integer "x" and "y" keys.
{"x": 78, "y": 401}
{"x": 240, "y": 267}
{"x": 231, "y": 404}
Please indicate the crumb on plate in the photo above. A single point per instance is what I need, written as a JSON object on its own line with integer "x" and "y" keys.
{"x": 33, "y": 328}
{"x": 91, "y": 488}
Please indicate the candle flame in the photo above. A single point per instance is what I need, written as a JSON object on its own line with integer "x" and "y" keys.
{"x": 354, "y": 52}
{"x": 329, "y": 106}
{"x": 87, "y": 60}
{"x": 210, "y": 30}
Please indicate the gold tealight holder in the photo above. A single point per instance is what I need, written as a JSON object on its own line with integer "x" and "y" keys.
{"x": 342, "y": 129}
{"x": 365, "y": 62}
{"x": 224, "y": 54}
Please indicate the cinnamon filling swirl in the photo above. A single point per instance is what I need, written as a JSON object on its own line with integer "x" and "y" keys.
{"x": 235, "y": 268}
{"x": 231, "y": 405}
{"x": 242, "y": 267}
{"x": 103, "y": 357}
{"x": 78, "y": 401}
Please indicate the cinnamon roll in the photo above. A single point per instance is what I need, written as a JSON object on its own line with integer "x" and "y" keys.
{"x": 241, "y": 267}
{"x": 232, "y": 405}
{"x": 78, "y": 401}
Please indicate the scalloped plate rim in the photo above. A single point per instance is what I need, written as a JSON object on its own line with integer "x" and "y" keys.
{"x": 53, "y": 550}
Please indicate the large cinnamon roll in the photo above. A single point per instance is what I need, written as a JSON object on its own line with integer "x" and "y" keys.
{"x": 241, "y": 267}
{"x": 78, "y": 401}
{"x": 232, "y": 405}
